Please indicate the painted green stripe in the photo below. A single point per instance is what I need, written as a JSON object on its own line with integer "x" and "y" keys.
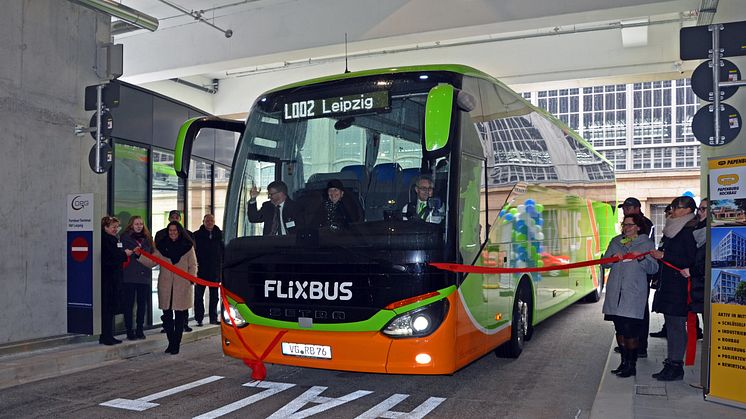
{"x": 180, "y": 140}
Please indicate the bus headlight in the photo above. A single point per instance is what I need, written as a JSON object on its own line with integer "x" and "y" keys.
{"x": 419, "y": 322}
{"x": 240, "y": 322}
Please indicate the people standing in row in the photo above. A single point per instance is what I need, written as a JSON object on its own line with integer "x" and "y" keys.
{"x": 209, "y": 248}
{"x": 175, "y": 295}
{"x": 671, "y": 297}
{"x": 280, "y": 215}
{"x": 113, "y": 256}
{"x": 174, "y": 216}
{"x": 137, "y": 277}
{"x": 627, "y": 289}
{"x": 632, "y": 206}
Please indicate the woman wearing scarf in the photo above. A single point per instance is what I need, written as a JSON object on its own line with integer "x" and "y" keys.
{"x": 137, "y": 276}
{"x": 175, "y": 296}
{"x": 671, "y": 297}
{"x": 627, "y": 289}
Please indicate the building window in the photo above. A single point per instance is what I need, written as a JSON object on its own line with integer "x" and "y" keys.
{"x": 604, "y": 115}
{"x": 562, "y": 103}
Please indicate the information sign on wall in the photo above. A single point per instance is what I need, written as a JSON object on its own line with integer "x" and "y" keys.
{"x": 80, "y": 263}
{"x": 728, "y": 280}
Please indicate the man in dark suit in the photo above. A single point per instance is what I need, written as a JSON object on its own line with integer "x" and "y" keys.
{"x": 280, "y": 215}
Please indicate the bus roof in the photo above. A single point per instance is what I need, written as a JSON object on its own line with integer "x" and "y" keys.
{"x": 454, "y": 68}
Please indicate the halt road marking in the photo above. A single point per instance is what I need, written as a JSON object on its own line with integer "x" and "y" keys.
{"x": 145, "y": 403}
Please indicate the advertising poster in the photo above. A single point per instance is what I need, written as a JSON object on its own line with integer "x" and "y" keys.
{"x": 728, "y": 280}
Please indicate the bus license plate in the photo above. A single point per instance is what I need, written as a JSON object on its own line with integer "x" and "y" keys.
{"x": 308, "y": 351}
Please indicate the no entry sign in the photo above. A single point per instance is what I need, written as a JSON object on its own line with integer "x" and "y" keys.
{"x": 79, "y": 249}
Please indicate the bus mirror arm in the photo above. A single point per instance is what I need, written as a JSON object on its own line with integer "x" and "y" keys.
{"x": 188, "y": 133}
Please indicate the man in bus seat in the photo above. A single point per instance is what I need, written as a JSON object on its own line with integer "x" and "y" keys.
{"x": 631, "y": 206}
{"x": 173, "y": 215}
{"x": 425, "y": 207}
{"x": 280, "y": 215}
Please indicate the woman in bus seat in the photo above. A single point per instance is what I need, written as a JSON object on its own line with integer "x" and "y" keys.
{"x": 671, "y": 297}
{"x": 137, "y": 277}
{"x": 175, "y": 296}
{"x": 335, "y": 212}
{"x": 627, "y": 289}
{"x": 113, "y": 256}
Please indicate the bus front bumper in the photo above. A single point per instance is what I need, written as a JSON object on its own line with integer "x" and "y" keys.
{"x": 351, "y": 351}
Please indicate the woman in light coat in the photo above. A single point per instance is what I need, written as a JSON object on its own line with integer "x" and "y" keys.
{"x": 175, "y": 296}
{"x": 627, "y": 289}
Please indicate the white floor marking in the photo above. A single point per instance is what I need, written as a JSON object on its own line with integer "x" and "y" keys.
{"x": 144, "y": 403}
{"x": 381, "y": 410}
{"x": 271, "y": 389}
{"x": 291, "y": 410}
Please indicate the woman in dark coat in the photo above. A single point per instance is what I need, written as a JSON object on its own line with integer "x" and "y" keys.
{"x": 113, "y": 255}
{"x": 627, "y": 289}
{"x": 671, "y": 297}
{"x": 137, "y": 277}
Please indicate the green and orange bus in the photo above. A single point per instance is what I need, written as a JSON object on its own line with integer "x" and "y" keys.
{"x": 514, "y": 186}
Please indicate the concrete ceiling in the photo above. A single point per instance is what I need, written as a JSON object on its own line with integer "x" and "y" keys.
{"x": 522, "y": 42}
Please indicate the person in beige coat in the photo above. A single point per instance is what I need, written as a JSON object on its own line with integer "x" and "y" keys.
{"x": 175, "y": 295}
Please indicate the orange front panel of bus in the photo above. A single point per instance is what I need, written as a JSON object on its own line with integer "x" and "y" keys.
{"x": 374, "y": 351}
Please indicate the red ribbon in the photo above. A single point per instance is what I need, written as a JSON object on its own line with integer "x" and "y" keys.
{"x": 457, "y": 267}
{"x": 258, "y": 370}
{"x": 691, "y": 342}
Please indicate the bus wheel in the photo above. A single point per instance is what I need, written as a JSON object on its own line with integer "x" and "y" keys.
{"x": 519, "y": 327}
{"x": 595, "y": 295}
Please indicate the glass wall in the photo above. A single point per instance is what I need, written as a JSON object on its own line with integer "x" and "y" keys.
{"x": 130, "y": 183}
{"x": 199, "y": 193}
{"x": 221, "y": 177}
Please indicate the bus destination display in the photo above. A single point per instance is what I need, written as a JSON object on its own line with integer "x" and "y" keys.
{"x": 336, "y": 106}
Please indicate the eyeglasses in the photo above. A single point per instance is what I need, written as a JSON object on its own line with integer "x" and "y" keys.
{"x": 702, "y": 209}
{"x": 270, "y": 194}
{"x": 628, "y": 224}
{"x": 425, "y": 188}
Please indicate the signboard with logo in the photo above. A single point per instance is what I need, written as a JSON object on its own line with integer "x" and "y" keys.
{"x": 727, "y": 290}
{"x": 80, "y": 263}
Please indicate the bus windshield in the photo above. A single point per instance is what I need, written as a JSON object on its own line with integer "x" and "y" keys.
{"x": 361, "y": 137}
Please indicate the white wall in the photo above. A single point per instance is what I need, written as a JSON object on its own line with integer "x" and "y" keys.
{"x": 48, "y": 54}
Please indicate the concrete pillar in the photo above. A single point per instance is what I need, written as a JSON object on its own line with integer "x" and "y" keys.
{"x": 48, "y": 52}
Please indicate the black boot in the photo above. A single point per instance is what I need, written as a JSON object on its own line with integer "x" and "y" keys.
{"x": 131, "y": 335}
{"x": 139, "y": 334}
{"x": 168, "y": 326}
{"x": 178, "y": 331}
{"x": 631, "y": 368}
{"x": 666, "y": 367}
{"x": 674, "y": 372}
{"x": 661, "y": 333}
{"x": 623, "y": 365}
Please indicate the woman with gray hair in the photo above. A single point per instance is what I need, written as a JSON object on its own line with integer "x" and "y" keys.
{"x": 671, "y": 296}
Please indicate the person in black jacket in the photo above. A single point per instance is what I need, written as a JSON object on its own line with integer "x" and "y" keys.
{"x": 697, "y": 271}
{"x": 137, "y": 278}
{"x": 671, "y": 297}
{"x": 336, "y": 211}
{"x": 113, "y": 255}
{"x": 209, "y": 247}
{"x": 280, "y": 215}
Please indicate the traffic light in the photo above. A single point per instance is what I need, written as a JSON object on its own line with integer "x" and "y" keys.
{"x": 101, "y": 97}
{"x": 711, "y": 127}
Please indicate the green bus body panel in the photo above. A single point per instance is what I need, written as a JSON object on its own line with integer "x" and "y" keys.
{"x": 374, "y": 324}
{"x": 180, "y": 140}
{"x": 438, "y": 114}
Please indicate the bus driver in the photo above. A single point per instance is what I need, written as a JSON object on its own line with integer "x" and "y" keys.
{"x": 425, "y": 207}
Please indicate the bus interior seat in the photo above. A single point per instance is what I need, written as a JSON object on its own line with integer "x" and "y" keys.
{"x": 361, "y": 173}
{"x": 408, "y": 180}
{"x": 385, "y": 184}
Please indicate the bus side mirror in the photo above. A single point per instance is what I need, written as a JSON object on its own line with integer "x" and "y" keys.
{"x": 188, "y": 133}
{"x": 438, "y": 115}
